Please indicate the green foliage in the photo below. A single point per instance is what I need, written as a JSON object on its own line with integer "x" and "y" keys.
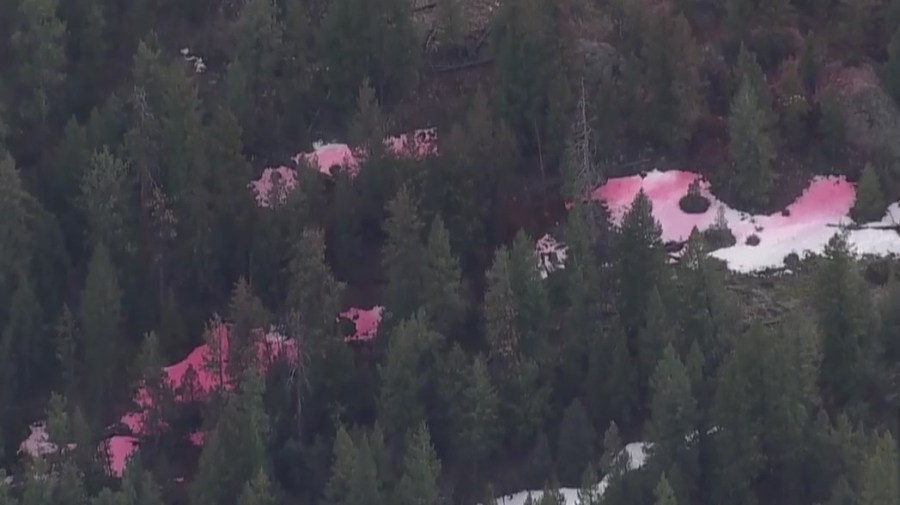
{"x": 500, "y": 310}
{"x": 39, "y": 56}
{"x": 750, "y": 147}
{"x": 870, "y": 201}
{"x": 258, "y": 491}
{"x": 846, "y": 322}
{"x": 664, "y": 493}
{"x": 539, "y": 465}
{"x": 673, "y": 420}
{"x": 530, "y": 296}
{"x": 640, "y": 261}
{"x": 879, "y": 480}
{"x": 892, "y": 67}
{"x": 418, "y": 484}
{"x": 405, "y": 375}
{"x": 101, "y": 341}
{"x": 528, "y": 52}
{"x": 314, "y": 295}
{"x": 575, "y": 447}
{"x": 236, "y": 449}
{"x": 442, "y": 293}
{"x": 402, "y": 256}
{"x": 369, "y": 38}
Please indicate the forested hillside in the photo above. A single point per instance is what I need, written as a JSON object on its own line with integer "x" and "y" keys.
{"x": 272, "y": 252}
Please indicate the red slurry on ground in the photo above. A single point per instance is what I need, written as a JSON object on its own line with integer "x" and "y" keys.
{"x": 826, "y": 199}
{"x": 365, "y": 322}
{"x": 193, "y": 375}
{"x": 416, "y": 145}
{"x": 191, "y": 378}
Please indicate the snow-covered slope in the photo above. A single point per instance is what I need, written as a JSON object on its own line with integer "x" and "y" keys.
{"x": 803, "y": 228}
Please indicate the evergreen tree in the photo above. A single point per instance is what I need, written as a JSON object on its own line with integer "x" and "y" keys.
{"x": 610, "y": 460}
{"x": 418, "y": 484}
{"x": 27, "y": 338}
{"x": 442, "y": 296}
{"x": 530, "y": 296}
{"x": 248, "y": 316}
{"x": 237, "y": 447}
{"x": 640, "y": 262}
{"x": 664, "y": 493}
{"x": 870, "y": 202}
{"x": 367, "y": 39}
{"x": 368, "y": 127}
{"x": 653, "y": 339}
{"x": 673, "y": 419}
{"x": 879, "y": 480}
{"x": 575, "y": 448}
{"x": 528, "y": 54}
{"x": 588, "y": 493}
{"x": 479, "y": 414}
{"x": 86, "y": 52}
{"x": 101, "y": 317}
{"x": 38, "y": 49}
{"x": 258, "y": 491}
{"x": 405, "y": 376}
{"x": 314, "y": 295}
{"x": 107, "y": 202}
{"x": 402, "y": 257}
{"x": 258, "y": 35}
{"x": 66, "y": 352}
{"x": 540, "y": 461}
{"x": 501, "y": 311}
{"x": 750, "y": 146}
{"x": 6, "y": 496}
{"x": 892, "y": 67}
{"x": 845, "y": 318}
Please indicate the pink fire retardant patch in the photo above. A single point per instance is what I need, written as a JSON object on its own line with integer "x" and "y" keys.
{"x": 274, "y": 185}
{"x": 192, "y": 379}
{"x": 365, "y": 322}
{"x": 38, "y": 442}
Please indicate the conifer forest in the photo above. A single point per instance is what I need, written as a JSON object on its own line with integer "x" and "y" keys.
{"x": 449, "y": 252}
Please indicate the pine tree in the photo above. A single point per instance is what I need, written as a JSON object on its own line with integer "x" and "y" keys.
{"x": 442, "y": 282}
{"x": 529, "y": 295}
{"x": 26, "y": 333}
{"x": 846, "y": 319}
{"x": 418, "y": 484}
{"x": 247, "y": 315}
{"x": 258, "y": 491}
{"x": 478, "y": 435}
{"x": 402, "y": 257}
{"x": 343, "y": 460}
{"x": 314, "y": 295}
{"x": 237, "y": 447}
{"x": 879, "y": 480}
{"x": 101, "y": 316}
{"x": 641, "y": 260}
{"x": 16, "y": 226}
{"x": 368, "y": 127}
{"x": 528, "y": 54}
{"x": 87, "y": 52}
{"x": 653, "y": 339}
{"x": 501, "y": 311}
{"x": 258, "y": 39}
{"x": 750, "y": 146}
{"x": 540, "y": 461}
{"x": 38, "y": 49}
{"x": 588, "y": 493}
{"x": 107, "y": 201}
{"x": 892, "y": 67}
{"x": 673, "y": 417}
{"x": 870, "y": 202}
{"x": 663, "y": 493}
{"x": 575, "y": 447}
{"x": 405, "y": 376}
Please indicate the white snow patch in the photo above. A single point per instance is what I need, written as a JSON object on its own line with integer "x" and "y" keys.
{"x": 804, "y": 228}
{"x": 637, "y": 457}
